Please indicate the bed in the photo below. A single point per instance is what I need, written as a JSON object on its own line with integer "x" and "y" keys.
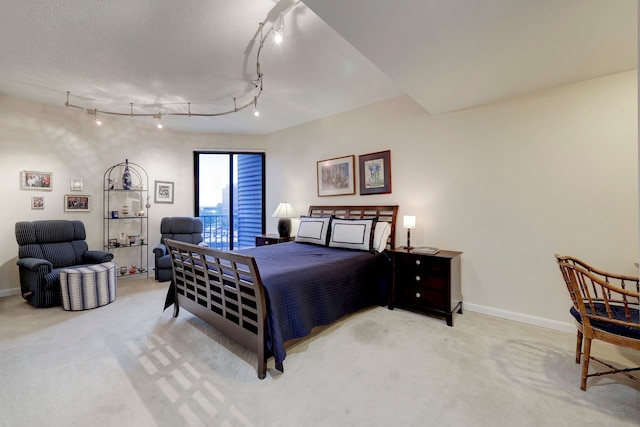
{"x": 268, "y": 296}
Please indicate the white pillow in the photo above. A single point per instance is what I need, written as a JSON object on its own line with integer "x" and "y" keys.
{"x": 381, "y": 235}
{"x": 352, "y": 233}
{"x": 313, "y": 230}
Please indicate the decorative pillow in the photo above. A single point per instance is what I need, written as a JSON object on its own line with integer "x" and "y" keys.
{"x": 352, "y": 233}
{"x": 381, "y": 235}
{"x": 313, "y": 230}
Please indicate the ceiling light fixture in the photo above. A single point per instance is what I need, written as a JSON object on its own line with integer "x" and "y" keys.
{"x": 277, "y": 30}
{"x": 255, "y": 107}
{"x": 158, "y": 119}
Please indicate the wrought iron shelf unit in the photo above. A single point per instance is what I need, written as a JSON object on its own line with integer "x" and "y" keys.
{"x": 126, "y": 217}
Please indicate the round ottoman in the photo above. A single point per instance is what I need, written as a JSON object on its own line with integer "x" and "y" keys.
{"x": 89, "y": 286}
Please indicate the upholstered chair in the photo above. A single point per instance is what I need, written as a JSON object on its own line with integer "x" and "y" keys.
{"x": 184, "y": 229}
{"x": 44, "y": 248}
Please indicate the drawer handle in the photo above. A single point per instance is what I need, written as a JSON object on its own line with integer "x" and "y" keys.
{"x": 417, "y": 294}
{"x": 417, "y": 262}
{"x": 417, "y": 278}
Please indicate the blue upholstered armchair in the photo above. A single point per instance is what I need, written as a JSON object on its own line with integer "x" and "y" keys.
{"x": 44, "y": 248}
{"x": 185, "y": 229}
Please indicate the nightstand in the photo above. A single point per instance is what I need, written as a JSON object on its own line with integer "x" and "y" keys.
{"x": 427, "y": 284}
{"x": 271, "y": 239}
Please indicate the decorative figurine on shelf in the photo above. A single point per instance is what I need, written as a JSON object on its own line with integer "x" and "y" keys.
{"x": 123, "y": 270}
{"x": 132, "y": 270}
{"x": 126, "y": 176}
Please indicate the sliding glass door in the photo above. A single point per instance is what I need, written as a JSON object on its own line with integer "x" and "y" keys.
{"x": 229, "y": 197}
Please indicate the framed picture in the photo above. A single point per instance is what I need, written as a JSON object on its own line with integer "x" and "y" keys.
{"x": 375, "y": 173}
{"x": 37, "y": 202}
{"x": 32, "y": 180}
{"x": 163, "y": 192}
{"x": 134, "y": 240}
{"x": 336, "y": 176}
{"x": 74, "y": 203}
{"x": 76, "y": 184}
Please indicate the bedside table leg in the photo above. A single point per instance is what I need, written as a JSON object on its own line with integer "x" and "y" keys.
{"x": 450, "y": 319}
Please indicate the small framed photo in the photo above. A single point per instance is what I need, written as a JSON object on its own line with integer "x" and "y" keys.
{"x": 74, "y": 203}
{"x": 375, "y": 173}
{"x": 32, "y": 180}
{"x": 134, "y": 240}
{"x": 336, "y": 176}
{"x": 76, "y": 184}
{"x": 113, "y": 243}
{"x": 163, "y": 192}
{"x": 37, "y": 202}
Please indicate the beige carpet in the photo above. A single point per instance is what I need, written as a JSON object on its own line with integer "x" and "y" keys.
{"x": 130, "y": 364}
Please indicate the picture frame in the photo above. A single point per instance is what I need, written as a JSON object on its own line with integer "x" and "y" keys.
{"x": 113, "y": 243}
{"x": 76, "y": 184}
{"x": 33, "y": 180}
{"x": 134, "y": 239}
{"x": 163, "y": 192}
{"x": 77, "y": 203}
{"x": 336, "y": 176}
{"x": 375, "y": 173}
{"x": 37, "y": 202}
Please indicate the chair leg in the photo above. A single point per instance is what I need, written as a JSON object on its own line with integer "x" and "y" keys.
{"x": 578, "y": 346}
{"x": 585, "y": 364}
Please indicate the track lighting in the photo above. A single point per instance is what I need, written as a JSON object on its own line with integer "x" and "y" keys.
{"x": 277, "y": 30}
{"x": 96, "y": 119}
{"x": 157, "y": 118}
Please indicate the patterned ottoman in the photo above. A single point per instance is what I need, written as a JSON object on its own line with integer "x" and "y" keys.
{"x": 88, "y": 287}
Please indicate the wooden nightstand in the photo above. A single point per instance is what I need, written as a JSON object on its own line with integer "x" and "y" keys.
{"x": 428, "y": 284}
{"x": 271, "y": 239}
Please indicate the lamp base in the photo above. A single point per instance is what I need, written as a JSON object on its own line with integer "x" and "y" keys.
{"x": 284, "y": 227}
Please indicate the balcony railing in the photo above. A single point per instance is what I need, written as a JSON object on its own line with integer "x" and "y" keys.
{"x": 216, "y": 231}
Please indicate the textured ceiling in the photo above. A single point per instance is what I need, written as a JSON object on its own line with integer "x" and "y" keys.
{"x": 336, "y": 56}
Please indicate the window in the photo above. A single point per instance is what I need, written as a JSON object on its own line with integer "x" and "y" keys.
{"x": 229, "y": 197}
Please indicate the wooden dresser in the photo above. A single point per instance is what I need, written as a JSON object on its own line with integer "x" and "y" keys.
{"x": 427, "y": 284}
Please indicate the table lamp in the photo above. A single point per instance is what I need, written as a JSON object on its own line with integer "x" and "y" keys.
{"x": 284, "y": 211}
{"x": 409, "y": 222}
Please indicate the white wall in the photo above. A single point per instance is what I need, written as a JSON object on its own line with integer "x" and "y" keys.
{"x": 67, "y": 142}
{"x": 509, "y": 184}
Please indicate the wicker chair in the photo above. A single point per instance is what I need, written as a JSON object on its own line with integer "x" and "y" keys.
{"x": 605, "y": 307}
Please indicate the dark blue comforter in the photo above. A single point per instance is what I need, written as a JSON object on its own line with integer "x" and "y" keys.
{"x": 309, "y": 285}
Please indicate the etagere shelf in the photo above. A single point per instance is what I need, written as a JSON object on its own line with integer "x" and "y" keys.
{"x": 126, "y": 217}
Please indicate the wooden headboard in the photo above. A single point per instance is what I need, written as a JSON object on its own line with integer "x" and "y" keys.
{"x": 383, "y": 213}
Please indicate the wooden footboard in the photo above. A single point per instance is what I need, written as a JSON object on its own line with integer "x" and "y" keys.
{"x": 223, "y": 289}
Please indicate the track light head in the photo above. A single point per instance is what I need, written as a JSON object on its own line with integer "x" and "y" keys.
{"x": 157, "y": 118}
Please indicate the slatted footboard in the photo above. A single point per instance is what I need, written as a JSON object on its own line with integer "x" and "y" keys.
{"x": 223, "y": 289}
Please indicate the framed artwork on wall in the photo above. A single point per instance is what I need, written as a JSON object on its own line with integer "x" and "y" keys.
{"x": 163, "y": 192}
{"x": 37, "y": 202}
{"x": 32, "y": 180}
{"x": 76, "y": 184}
{"x": 336, "y": 176}
{"x": 75, "y": 203}
{"x": 375, "y": 173}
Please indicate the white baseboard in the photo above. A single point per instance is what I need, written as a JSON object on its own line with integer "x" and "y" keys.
{"x": 9, "y": 292}
{"x": 522, "y": 318}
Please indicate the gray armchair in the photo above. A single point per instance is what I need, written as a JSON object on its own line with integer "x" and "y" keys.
{"x": 44, "y": 248}
{"x": 185, "y": 229}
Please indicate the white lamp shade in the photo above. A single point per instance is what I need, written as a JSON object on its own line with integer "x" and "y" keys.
{"x": 284, "y": 210}
{"x": 409, "y": 221}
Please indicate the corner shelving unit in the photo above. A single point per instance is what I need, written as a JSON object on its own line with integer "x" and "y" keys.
{"x": 126, "y": 218}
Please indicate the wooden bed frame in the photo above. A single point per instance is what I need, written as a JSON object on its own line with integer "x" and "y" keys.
{"x": 225, "y": 289}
